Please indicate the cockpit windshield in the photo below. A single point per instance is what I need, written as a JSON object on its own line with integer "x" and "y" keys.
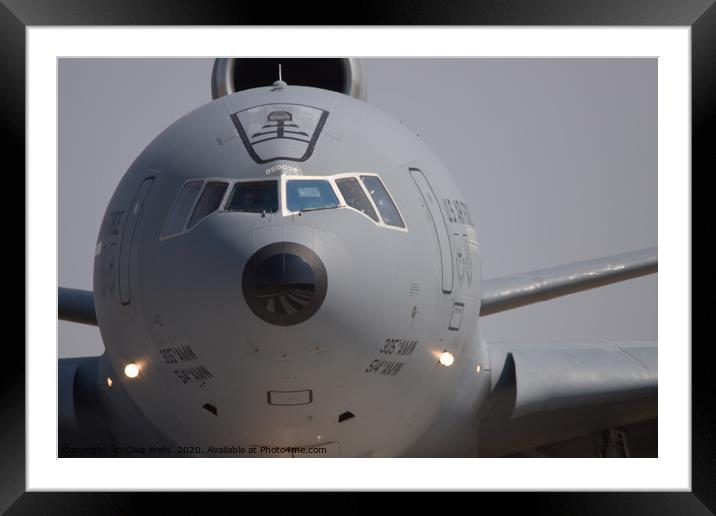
{"x": 310, "y": 194}
{"x": 254, "y": 197}
{"x": 364, "y": 193}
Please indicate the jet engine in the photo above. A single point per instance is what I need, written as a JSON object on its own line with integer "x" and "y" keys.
{"x": 343, "y": 75}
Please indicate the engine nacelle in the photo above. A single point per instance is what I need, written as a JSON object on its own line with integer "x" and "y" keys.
{"x": 342, "y": 75}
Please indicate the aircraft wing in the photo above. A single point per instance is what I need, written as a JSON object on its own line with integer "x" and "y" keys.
{"x": 499, "y": 294}
{"x": 546, "y": 393}
{"x": 76, "y": 305}
{"x": 510, "y": 292}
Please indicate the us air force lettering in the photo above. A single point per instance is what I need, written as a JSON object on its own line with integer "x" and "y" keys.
{"x": 288, "y": 269}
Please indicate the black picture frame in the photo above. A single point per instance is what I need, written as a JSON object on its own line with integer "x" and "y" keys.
{"x": 16, "y": 15}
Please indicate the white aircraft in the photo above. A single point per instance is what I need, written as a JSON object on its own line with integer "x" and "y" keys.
{"x": 288, "y": 271}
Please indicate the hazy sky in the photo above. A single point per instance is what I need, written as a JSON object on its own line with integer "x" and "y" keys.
{"x": 556, "y": 159}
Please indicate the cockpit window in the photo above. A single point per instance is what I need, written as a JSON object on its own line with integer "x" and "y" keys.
{"x": 355, "y": 196}
{"x": 254, "y": 197}
{"x": 181, "y": 209}
{"x": 382, "y": 200}
{"x": 208, "y": 202}
{"x": 362, "y": 191}
{"x": 310, "y": 194}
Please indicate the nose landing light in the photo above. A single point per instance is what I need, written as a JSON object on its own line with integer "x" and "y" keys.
{"x": 284, "y": 283}
{"x": 130, "y": 370}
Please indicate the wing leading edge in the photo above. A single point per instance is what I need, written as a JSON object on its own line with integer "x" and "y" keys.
{"x": 508, "y": 292}
{"x": 76, "y": 305}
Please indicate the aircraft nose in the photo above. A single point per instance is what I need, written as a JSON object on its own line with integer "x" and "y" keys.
{"x": 284, "y": 283}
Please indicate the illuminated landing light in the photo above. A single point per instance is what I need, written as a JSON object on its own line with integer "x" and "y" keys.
{"x": 131, "y": 370}
{"x": 446, "y": 359}
{"x": 478, "y": 368}
{"x": 109, "y": 382}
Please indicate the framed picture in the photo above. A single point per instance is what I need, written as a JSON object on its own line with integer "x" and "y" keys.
{"x": 114, "y": 89}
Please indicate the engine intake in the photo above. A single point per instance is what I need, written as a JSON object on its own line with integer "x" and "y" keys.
{"x": 343, "y": 75}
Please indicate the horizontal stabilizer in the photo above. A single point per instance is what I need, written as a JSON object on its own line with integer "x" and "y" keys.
{"x": 508, "y": 292}
{"x": 76, "y": 305}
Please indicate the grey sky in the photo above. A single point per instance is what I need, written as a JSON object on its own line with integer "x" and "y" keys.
{"x": 556, "y": 158}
